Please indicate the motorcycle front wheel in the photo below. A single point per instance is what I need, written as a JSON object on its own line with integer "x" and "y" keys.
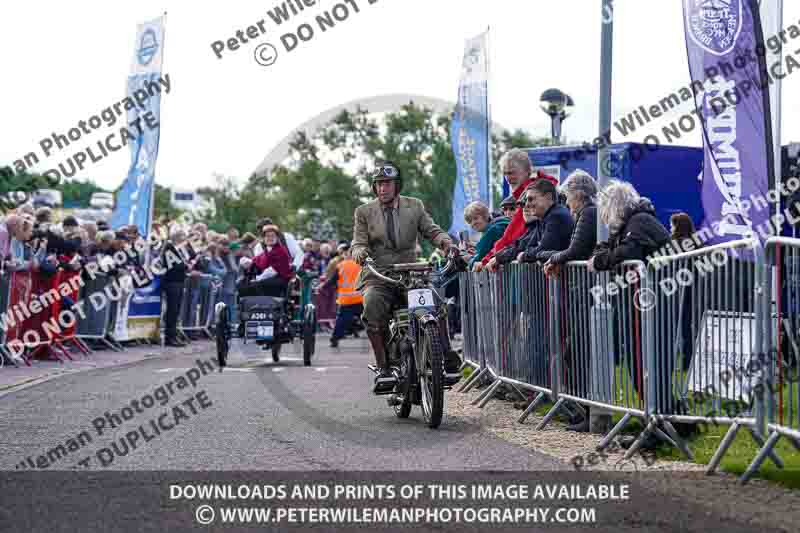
{"x": 431, "y": 376}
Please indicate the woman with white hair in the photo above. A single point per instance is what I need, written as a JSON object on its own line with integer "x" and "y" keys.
{"x": 634, "y": 231}
{"x": 581, "y": 190}
{"x": 634, "y": 234}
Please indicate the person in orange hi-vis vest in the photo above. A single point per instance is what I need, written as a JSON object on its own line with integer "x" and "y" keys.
{"x": 349, "y": 300}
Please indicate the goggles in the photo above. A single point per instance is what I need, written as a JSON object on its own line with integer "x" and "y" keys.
{"x": 386, "y": 171}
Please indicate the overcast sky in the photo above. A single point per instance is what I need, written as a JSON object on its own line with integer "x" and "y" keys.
{"x": 65, "y": 61}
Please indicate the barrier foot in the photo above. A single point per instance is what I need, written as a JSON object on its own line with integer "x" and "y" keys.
{"x": 484, "y": 399}
{"x": 59, "y": 346}
{"x": 677, "y": 440}
{"x": 614, "y": 431}
{"x": 483, "y": 393}
{"x": 110, "y": 344}
{"x": 523, "y": 396}
{"x": 533, "y": 405}
{"x": 45, "y": 348}
{"x": 474, "y": 380}
{"x": 472, "y": 377}
{"x": 638, "y": 442}
{"x": 760, "y": 458}
{"x": 773, "y": 456}
{"x": 723, "y": 448}
{"x": 83, "y": 346}
{"x": 550, "y": 414}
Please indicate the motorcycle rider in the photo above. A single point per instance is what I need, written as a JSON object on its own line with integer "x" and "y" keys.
{"x": 386, "y": 229}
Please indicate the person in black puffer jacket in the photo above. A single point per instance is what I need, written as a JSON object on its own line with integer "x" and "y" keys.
{"x": 634, "y": 231}
{"x": 634, "y": 234}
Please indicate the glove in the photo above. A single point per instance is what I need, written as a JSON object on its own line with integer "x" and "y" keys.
{"x": 451, "y": 250}
{"x": 360, "y": 255}
{"x": 267, "y": 274}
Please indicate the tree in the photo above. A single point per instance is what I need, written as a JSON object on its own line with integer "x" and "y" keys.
{"x": 163, "y": 204}
{"x": 325, "y": 176}
{"x": 78, "y": 193}
{"x": 23, "y": 183}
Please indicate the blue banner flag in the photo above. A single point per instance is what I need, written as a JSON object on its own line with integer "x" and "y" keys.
{"x": 732, "y": 95}
{"x": 134, "y": 201}
{"x": 470, "y": 132}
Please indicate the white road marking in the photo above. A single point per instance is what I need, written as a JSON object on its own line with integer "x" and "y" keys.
{"x": 278, "y": 369}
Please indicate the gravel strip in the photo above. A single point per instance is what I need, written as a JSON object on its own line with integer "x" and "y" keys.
{"x": 760, "y": 502}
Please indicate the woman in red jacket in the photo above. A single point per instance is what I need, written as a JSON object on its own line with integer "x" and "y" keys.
{"x": 272, "y": 268}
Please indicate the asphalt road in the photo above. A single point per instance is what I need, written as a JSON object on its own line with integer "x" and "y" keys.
{"x": 262, "y": 422}
{"x": 263, "y": 416}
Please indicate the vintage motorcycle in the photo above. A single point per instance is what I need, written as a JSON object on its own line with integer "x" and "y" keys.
{"x": 418, "y": 338}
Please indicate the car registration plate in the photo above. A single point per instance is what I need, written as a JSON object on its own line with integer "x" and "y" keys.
{"x": 264, "y": 331}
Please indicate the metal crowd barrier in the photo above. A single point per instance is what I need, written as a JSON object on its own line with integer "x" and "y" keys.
{"x": 680, "y": 341}
{"x": 779, "y": 369}
{"x": 469, "y": 325}
{"x": 599, "y": 342}
{"x": 197, "y": 305}
{"x": 5, "y": 289}
{"x": 708, "y": 313}
{"x": 98, "y": 322}
{"x": 511, "y": 329}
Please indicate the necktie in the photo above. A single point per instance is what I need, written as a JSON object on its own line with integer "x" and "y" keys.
{"x": 390, "y": 228}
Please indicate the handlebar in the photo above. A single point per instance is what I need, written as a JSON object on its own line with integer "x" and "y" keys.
{"x": 406, "y": 267}
{"x": 368, "y": 263}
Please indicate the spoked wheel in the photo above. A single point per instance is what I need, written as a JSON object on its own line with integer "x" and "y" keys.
{"x": 309, "y": 339}
{"x": 431, "y": 376}
{"x": 407, "y": 372}
{"x": 276, "y": 352}
{"x": 223, "y": 335}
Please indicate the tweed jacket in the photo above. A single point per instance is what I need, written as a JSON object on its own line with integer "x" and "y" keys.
{"x": 411, "y": 222}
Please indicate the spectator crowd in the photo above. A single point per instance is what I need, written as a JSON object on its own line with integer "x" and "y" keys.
{"x": 551, "y": 225}
{"x": 32, "y": 241}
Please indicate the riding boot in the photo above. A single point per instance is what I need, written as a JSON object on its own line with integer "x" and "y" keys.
{"x": 384, "y": 380}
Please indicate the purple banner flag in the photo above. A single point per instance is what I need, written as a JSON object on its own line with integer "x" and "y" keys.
{"x": 731, "y": 89}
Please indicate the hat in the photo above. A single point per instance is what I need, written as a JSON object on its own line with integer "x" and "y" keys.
{"x": 102, "y": 225}
{"x": 270, "y": 227}
{"x": 541, "y": 175}
{"x": 120, "y": 236}
{"x": 345, "y": 244}
{"x": 508, "y": 201}
{"x": 69, "y": 221}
